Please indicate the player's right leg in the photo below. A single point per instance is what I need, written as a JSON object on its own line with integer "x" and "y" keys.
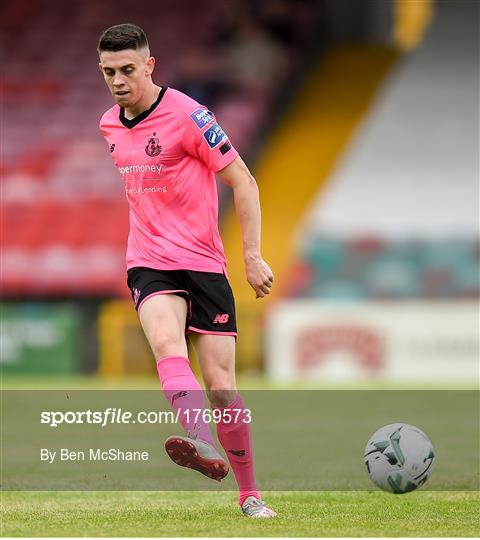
{"x": 163, "y": 317}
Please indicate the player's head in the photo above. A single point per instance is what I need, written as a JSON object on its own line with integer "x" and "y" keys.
{"x": 125, "y": 62}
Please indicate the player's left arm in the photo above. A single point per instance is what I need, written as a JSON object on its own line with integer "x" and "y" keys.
{"x": 247, "y": 207}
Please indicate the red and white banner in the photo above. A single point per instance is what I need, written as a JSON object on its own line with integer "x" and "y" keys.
{"x": 414, "y": 342}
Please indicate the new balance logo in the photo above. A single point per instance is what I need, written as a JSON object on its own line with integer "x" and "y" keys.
{"x": 221, "y": 318}
{"x": 238, "y": 453}
{"x": 178, "y": 395}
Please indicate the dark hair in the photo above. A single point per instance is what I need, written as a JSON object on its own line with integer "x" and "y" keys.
{"x": 121, "y": 37}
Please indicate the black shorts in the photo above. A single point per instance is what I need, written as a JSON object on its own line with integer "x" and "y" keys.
{"x": 211, "y": 307}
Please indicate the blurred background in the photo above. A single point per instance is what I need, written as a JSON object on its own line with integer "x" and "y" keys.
{"x": 359, "y": 120}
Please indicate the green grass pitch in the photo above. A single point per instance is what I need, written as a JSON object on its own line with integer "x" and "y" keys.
{"x": 215, "y": 514}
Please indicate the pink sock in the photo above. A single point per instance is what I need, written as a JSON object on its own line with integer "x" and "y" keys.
{"x": 236, "y": 439}
{"x": 183, "y": 392}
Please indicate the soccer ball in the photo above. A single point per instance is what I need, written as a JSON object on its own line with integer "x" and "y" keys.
{"x": 399, "y": 458}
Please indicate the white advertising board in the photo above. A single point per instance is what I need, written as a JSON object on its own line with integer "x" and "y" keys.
{"x": 393, "y": 342}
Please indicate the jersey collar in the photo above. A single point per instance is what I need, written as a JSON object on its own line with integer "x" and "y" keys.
{"x": 132, "y": 122}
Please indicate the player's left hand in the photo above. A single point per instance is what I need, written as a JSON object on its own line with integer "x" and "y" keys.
{"x": 259, "y": 275}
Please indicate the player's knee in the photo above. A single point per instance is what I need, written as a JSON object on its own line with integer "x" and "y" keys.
{"x": 220, "y": 387}
{"x": 220, "y": 376}
{"x": 221, "y": 397}
{"x": 167, "y": 344}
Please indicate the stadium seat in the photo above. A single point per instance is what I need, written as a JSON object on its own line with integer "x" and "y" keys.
{"x": 60, "y": 191}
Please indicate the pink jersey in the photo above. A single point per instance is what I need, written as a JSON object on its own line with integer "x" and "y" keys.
{"x": 168, "y": 157}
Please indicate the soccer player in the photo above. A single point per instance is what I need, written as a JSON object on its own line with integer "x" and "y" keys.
{"x": 168, "y": 148}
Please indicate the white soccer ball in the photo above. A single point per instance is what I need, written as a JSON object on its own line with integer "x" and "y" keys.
{"x": 399, "y": 458}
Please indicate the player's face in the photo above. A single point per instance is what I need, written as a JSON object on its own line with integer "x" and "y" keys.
{"x": 127, "y": 74}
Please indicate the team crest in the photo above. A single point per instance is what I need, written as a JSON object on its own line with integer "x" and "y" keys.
{"x": 153, "y": 148}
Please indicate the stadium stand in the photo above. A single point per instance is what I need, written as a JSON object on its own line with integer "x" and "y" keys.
{"x": 372, "y": 268}
{"x": 64, "y": 220}
{"x": 399, "y": 217}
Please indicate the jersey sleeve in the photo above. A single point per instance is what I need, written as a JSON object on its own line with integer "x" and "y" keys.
{"x": 107, "y": 123}
{"x": 204, "y": 139}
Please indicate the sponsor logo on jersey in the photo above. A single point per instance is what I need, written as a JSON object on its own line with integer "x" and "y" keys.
{"x": 202, "y": 117}
{"x": 128, "y": 169}
{"x": 153, "y": 148}
{"x": 221, "y": 318}
{"x": 145, "y": 190}
{"x": 214, "y": 135}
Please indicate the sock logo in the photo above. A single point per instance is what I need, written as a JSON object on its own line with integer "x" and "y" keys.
{"x": 178, "y": 395}
{"x": 238, "y": 453}
{"x": 221, "y": 318}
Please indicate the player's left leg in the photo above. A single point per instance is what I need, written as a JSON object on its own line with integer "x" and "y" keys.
{"x": 216, "y": 354}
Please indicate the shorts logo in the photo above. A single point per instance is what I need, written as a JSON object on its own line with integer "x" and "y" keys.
{"x": 221, "y": 318}
{"x": 202, "y": 117}
{"x": 214, "y": 135}
{"x": 153, "y": 148}
{"x": 112, "y": 147}
{"x": 136, "y": 295}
